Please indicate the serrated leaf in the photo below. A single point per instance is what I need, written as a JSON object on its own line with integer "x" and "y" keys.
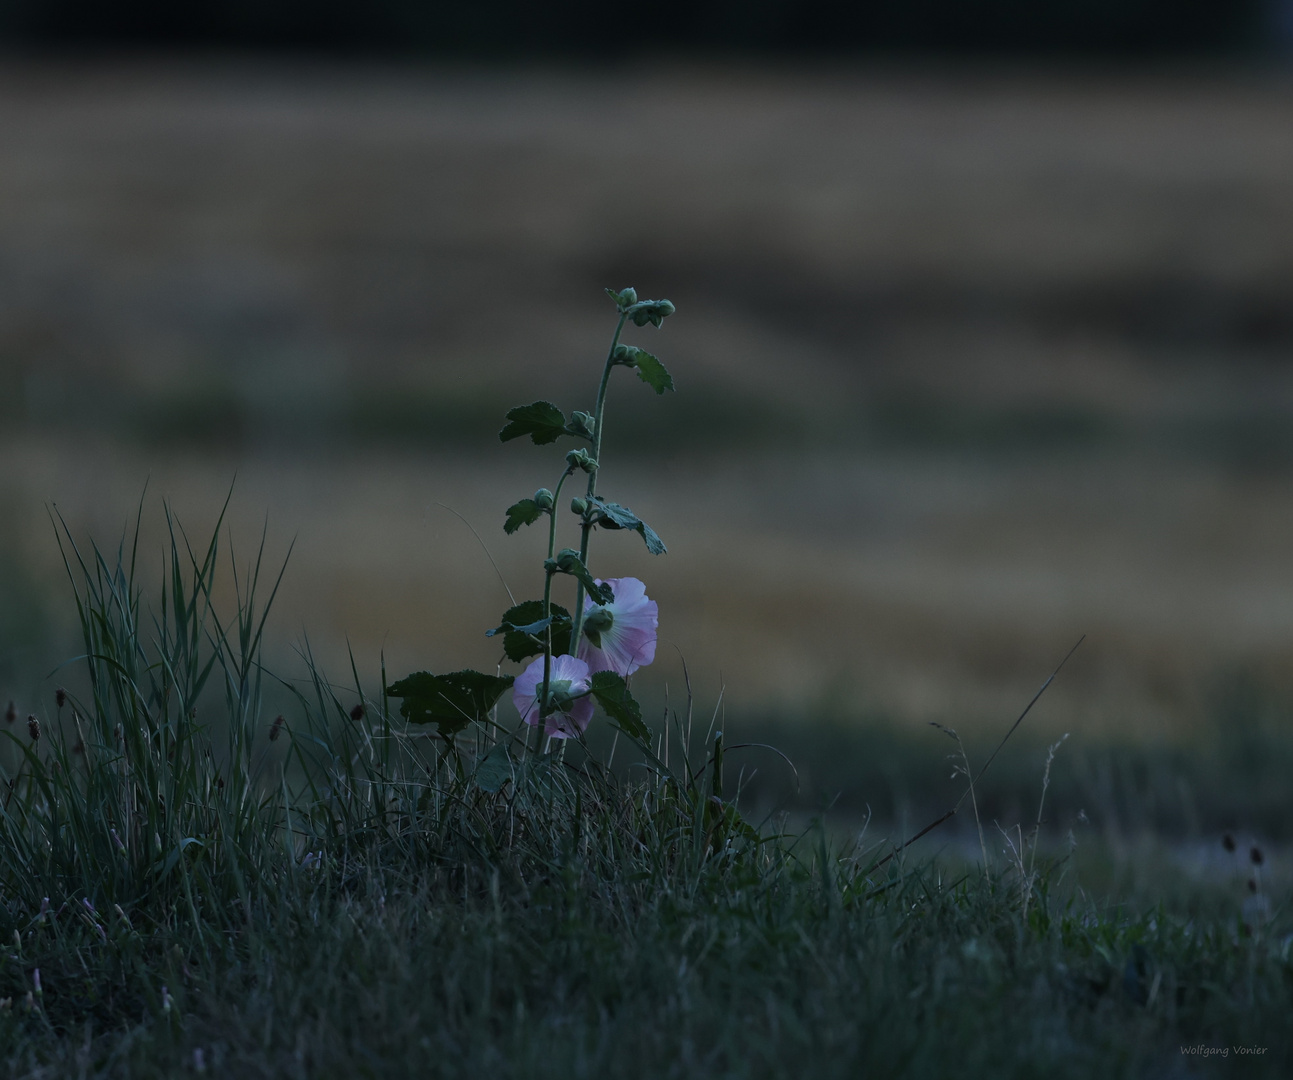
{"x": 621, "y": 517}
{"x": 494, "y": 770}
{"x": 450, "y": 701}
{"x": 522, "y": 627}
{"x": 528, "y": 628}
{"x": 617, "y": 516}
{"x": 652, "y": 372}
{"x": 612, "y": 694}
{"x": 571, "y": 564}
{"x": 652, "y": 540}
{"x": 525, "y": 512}
{"x": 542, "y": 421}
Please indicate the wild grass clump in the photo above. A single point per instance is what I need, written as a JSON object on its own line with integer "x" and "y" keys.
{"x": 181, "y": 893}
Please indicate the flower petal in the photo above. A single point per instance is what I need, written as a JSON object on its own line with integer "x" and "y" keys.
{"x": 525, "y": 691}
{"x": 525, "y": 694}
{"x": 570, "y": 725}
{"x": 629, "y": 643}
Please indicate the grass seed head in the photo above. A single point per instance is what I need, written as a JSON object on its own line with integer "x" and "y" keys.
{"x": 357, "y": 713}
{"x": 1228, "y": 842}
{"x": 60, "y": 697}
{"x": 11, "y": 713}
{"x": 1256, "y": 856}
{"x": 276, "y": 727}
{"x": 33, "y": 727}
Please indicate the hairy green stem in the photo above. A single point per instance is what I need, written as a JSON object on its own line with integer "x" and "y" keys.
{"x": 547, "y": 611}
{"x": 577, "y": 616}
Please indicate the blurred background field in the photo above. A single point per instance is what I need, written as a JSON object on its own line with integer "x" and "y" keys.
{"x": 971, "y": 361}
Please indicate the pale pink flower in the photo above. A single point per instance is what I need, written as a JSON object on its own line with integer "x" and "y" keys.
{"x": 568, "y": 677}
{"x": 620, "y": 636}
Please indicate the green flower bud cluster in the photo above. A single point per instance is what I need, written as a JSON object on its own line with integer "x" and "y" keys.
{"x": 581, "y": 459}
{"x": 650, "y": 311}
{"x": 567, "y": 560}
{"x": 579, "y": 506}
{"x": 543, "y": 499}
{"x": 641, "y": 311}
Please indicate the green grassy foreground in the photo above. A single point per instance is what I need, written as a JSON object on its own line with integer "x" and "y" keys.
{"x": 205, "y": 888}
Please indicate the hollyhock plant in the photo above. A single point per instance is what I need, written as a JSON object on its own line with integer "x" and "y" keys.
{"x": 570, "y": 713}
{"x": 620, "y": 636}
{"x": 585, "y": 654}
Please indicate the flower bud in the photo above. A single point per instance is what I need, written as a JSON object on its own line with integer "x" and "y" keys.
{"x": 628, "y": 297}
{"x": 543, "y": 499}
{"x": 578, "y": 506}
{"x": 581, "y": 423}
{"x": 581, "y": 459}
{"x": 568, "y": 559}
{"x": 653, "y": 311}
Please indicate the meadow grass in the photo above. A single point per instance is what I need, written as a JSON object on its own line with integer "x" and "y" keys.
{"x": 193, "y": 882}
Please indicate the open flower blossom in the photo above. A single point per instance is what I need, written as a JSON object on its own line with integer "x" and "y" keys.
{"x": 568, "y": 678}
{"x": 620, "y": 636}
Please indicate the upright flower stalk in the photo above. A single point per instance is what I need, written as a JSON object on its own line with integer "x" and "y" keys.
{"x": 581, "y": 658}
{"x": 586, "y": 529}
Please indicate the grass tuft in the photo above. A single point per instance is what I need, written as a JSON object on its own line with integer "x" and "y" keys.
{"x": 191, "y": 880}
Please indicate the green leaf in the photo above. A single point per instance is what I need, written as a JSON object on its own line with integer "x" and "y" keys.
{"x": 451, "y": 701}
{"x": 617, "y": 516}
{"x": 525, "y": 512}
{"x": 522, "y": 629}
{"x": 568, "y": 562}
{"x": 621, "y": 517}
{"x": 542, "y": 421}
{"x": 612, "y": 694}
{"x": 652, "y": 372}
{"x": 494, "y": 769}
{"x": 652, "y": 540}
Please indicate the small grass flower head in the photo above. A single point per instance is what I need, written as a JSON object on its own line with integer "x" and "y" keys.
{"x": 570, "y": 713}
{"x": 620, "y": 636}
